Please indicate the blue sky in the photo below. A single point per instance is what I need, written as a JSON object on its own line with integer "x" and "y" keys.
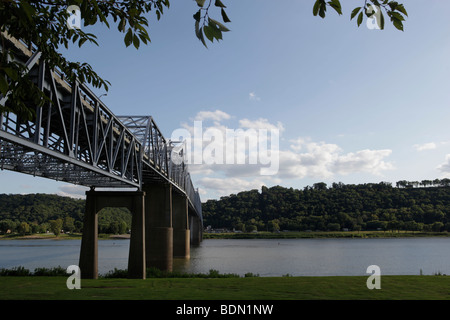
{"x": 353, "y": 105}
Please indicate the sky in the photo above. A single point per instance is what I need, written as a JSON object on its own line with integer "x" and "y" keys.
{"x": 349, "y": 104}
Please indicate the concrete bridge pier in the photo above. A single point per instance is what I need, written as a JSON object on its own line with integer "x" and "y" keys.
{"x": 181, "y": 232}
{"x": 196, "y": 228}
{"x": 158, "y": 226}
{"x": 97, "y": 200}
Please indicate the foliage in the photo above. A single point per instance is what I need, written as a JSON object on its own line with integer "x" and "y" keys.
{"x": 157, "y": 273}
{"x": 39, "y": 210}
{"x": 339, "y": 207}
{"x": 16, "y": 271}
{"x": 50, "y": 272}
{"x": 21, "y": 271}
{"x": 371, "y": 8}
{"x": 56, "y": 226}
{"x": 24, "y": 228}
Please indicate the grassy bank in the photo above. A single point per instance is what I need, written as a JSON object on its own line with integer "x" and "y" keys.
{"x": 254, "y": 235}
{"x": 322, "y": 234}
{"x": 254, "y": 288}
{"x": 63, "y": 236}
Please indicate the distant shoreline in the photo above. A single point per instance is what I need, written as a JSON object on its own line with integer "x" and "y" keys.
{"x": 252, "y": 235}
{"x": 62, "y": 237}
{"x": 323, "y": 234}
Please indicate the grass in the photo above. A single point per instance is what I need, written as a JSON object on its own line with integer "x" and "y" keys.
{"x": 252, "y": 288}
{"x": 51, "y": 236}
{"x": 253, "y": 235}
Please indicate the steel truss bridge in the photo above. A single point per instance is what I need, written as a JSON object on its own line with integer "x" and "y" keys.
{"x": 76, "y": 139}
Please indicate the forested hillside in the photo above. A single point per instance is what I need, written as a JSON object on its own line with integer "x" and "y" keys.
{"x": 411, "y": 206}
{"x": 414, "y": 206}
{"x": 34, "y": 213}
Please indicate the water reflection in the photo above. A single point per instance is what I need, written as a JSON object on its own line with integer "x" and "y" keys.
{"x": 275, "y": 257}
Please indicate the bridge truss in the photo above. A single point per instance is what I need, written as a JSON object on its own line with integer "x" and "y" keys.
{"x": 75, "y": 138}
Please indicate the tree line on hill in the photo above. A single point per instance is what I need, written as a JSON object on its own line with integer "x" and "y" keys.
{"x": 41, "y": 213}
{"x": 413, "y": 206}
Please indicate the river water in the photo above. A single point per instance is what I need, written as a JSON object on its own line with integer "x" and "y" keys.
{"x": 274, "y": 257}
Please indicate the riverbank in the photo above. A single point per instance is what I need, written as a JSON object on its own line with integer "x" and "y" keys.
{"x": 322, "y": 234}
{"x": 251, "y": 235}
{"x": 50, "y": 236}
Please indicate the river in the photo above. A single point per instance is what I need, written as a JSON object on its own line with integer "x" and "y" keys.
{"x": 274, "y": 257}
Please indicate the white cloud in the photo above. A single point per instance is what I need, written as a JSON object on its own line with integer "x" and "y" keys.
{"x": 217, "y": 115}
{"x": 259, "y": 124}
{"x": 308, "y": 159}
{"x": 72, "y": 191}
{"x": 370, "y": 161}
{"x": 226, "y": 186}
{"x": 324, "y": 160}
{"x": 445, "y": 167}
{"x": 318, "y": 160}
{"x": 303, "y": 158}
{"x": 425, "y": 146}
{"x": 253, "y": 96}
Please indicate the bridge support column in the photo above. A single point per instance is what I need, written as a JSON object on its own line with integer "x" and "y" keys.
{"x": 136, "y": 255}
{"x": 95, "y": 201}
{"x": 89, "y": 242}
{"x": 158, "y": 228}
{"x": 196, "y": 230}
{"x": 181, "y": 232}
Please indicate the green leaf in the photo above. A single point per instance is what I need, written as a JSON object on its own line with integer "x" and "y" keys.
{"x": 219, "y": 3}
{"x": 11, "y": 73}
{"x": 224, "y": 16}
{"x": 200, "y": 3}
{"x": 360, "y": 18}
{"x": 208, "y": 30}
{"x": 28, "y": 9}
{"x": 219, "y": 25}
{"x": 336, "y": 5}
{"x": 398, "y": 24}
{"x": 81, "y": 42}
{"x": 3, "y": 85}
{"x": 136, "y": 42}
{"x": 121, "y": 25}
{"x": 217, "y": 34}
{"x": 212, "y": 32}
{"x": 322, "y": 10}
{"x": 397, "y": 16}
{"x": 316, "y": 7}
{"x": 199, "y": 33}
{"x": 402, "y": 9}
{"x": 355, "y": 12}
{"x": 197, "y": 16}
{"x": 128, "y": 37}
